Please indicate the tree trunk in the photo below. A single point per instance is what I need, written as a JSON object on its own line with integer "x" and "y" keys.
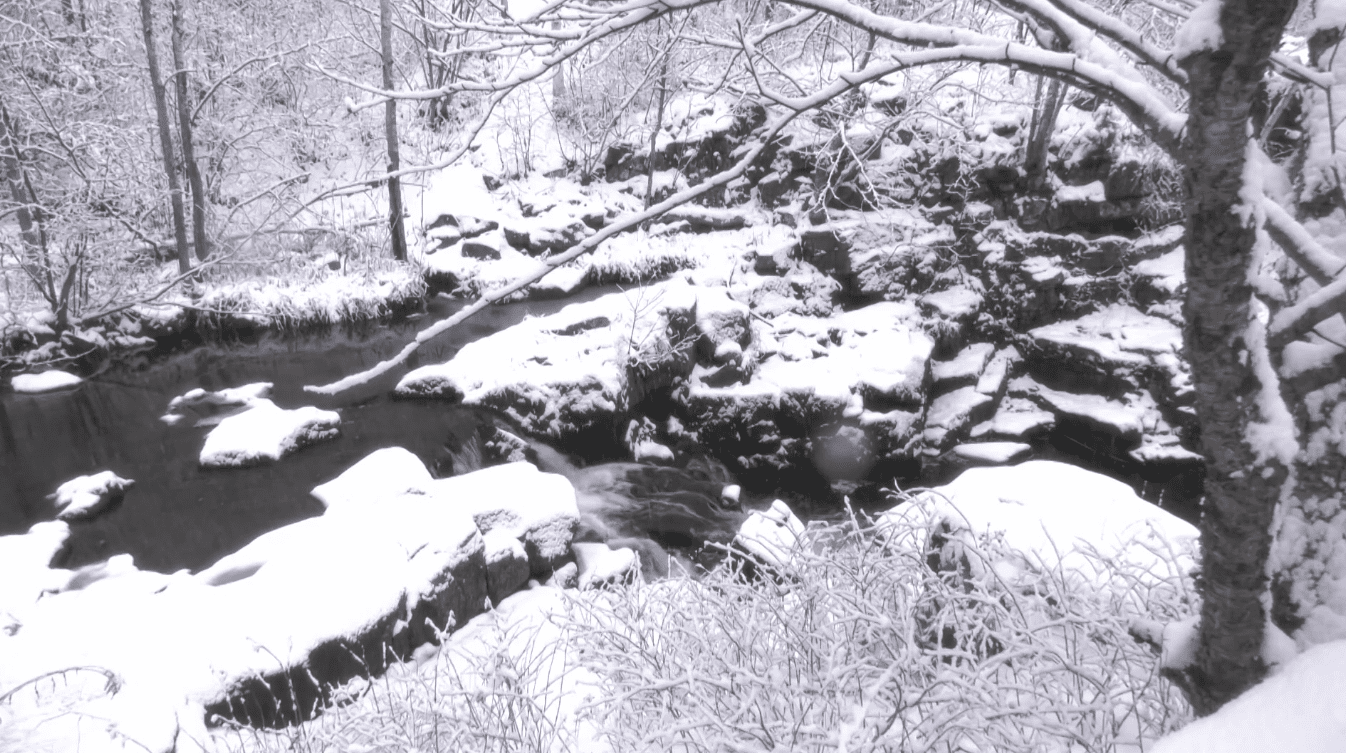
{"x": 30, "y": 235}
{"x": 185, "y": 136}
{"x": 165, "y": 137}
{"x": 395, "y": 224}
{"x": 1040, "y": 131}
{"x": 1226, "y": 347}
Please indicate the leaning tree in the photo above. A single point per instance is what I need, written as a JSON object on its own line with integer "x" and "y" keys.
{"x": 1260, "y": 335}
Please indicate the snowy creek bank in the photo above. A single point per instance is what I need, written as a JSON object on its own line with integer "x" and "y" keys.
{"x": 178, "y": 514}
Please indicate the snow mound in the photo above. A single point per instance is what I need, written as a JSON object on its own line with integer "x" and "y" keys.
{"x": 86, "y": 496}
{"x": 266, "y": 432}
{"x": 47, "y": 381}
{"x": 1297, "y": 709}
{"x": 601, "y": 565}
{"x": 1059, "y": 518}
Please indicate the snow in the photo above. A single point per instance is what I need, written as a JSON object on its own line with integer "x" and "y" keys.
{"x": 266, "y": 432}
{"x": 600, "y": 565}
{"x": 772, "y": 536}
{"x": 1016, "y": 419}
{"x": 369, "y": 564}
{"x": 1166, "y": 272}
{"x": 968, "y": 365}
{"x": 950, "y": 413}
{"x": 86, "y": 496}
{"x": 1117, "y": 334}
{"x": 1122, "y": 419}
{"x": 47, "y": 381}
{"x": 1061, "y": 518}
{"x": 1299, "y": 708}
{"x": 386, "y": 472}
{"x": 994, "y": 453}
{"x": 954, "y": 303}
{"x": 209, "y": 408}
{"x": 1090, "y": 193}
{"x": 1201, "y": 31}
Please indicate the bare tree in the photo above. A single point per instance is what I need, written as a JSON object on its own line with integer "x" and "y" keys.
{"x": 165, "y": 136}
{"x": 184, "y": 107}
{"x": 390, "y": 134}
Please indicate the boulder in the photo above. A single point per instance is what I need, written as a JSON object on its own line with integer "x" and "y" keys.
{"x": 771, "y": 538}
{"x": 207, "y": 408}
{"x": 572, "y": 372}
{"x": 265, "y": 432}
{"x": 950, "y": 415}
{"x": 84, "y": 497}
{"x": 963, "y": 370}
{"x": 601, "y": 566}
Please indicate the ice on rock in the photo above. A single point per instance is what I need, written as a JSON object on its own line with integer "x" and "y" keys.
{"x": 266, "y": 432}
{"x": 47, "y": 381}
{"x": 86, "y": 496}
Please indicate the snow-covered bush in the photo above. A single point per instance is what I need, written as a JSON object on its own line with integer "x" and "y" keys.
{"x": 833, "y": 654}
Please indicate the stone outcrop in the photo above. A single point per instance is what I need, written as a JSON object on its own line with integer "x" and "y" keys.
{"x": 264, "y": 634}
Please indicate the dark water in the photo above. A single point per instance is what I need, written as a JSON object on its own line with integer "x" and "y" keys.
{"x": 180, "y": 516}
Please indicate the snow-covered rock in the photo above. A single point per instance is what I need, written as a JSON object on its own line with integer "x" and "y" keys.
{"x": 813, "y": 371}
{"x": 772, "y": 537}
{"x": 507, "y": 568}
{"x": 1117, "y": 346}
{"x": 1016, "y": 419}
{"x": 86, "y": 496}
{"x": 544, "y": 520}
{"x": 47, "y": 381}
{"x": 601, "y": 565}
{"x": 25, "y": 559}
{"x": 965, "y": 368}
{"x": 292, "y": 607}
{"x": 266, "y": 432}
{"x": 1058, "y": 519}
{"x": 951, "y": 413}
{"x": 207, "y": 408}
{"x": 992, "y": 453}
{"x": 387, "y": 472}
{"x": 562, "y": 374}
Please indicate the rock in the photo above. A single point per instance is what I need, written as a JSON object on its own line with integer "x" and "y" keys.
{"x": 706, "y": 219}
{"x": 772, "y": 538}
{"x": 965, "y": 369}
{"x": 565, "y": 576}
{"x": 26, "y": 560}
{"x": 483, "y": 246}
{"x": 1122, "y": 420}
{"x": 571, "y": 372}
{"x": 1052, "y": 515}
{"x": 561, "y": 282}
{"x": 545, "y": 521}
{"x": 601, "y": 566}
{"x": 47, "y": 381}
{"x": 265, "y": 432}
{"x": 954, "y": 304}
{"x": 992, "y": 453}
{"x": 1018, "y": 419}
{"x": 996, "y": 375}
{"x": 391, "y": 471}
{"x": 86, "y": 496}
{"x": 507, "y": 568}
{"x": 641, "y": 439}
{"x": 721, "y": 320}
{"x": 209, "y": 408}
{"x": 952, "y": 413}
{"x": 1114, "y": 350}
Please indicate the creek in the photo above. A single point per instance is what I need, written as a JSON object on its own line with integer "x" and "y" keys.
{"x": 178, "y": 515}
